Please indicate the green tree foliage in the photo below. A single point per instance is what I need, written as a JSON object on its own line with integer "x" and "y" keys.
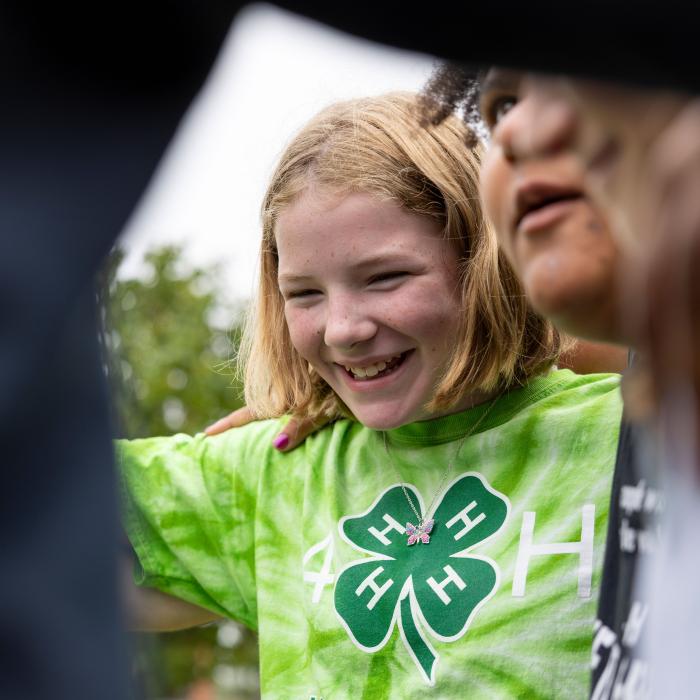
{"x": 169, "y": 341}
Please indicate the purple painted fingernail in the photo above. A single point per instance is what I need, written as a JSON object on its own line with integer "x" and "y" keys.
{"x": 281, "y": 441}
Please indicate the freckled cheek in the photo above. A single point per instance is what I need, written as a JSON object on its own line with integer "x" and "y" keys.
{"x": 304, "y": 333}
{"x": 435, "y": 325}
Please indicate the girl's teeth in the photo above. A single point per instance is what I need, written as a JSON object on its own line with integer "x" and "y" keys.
{"x": 372, "y": 370}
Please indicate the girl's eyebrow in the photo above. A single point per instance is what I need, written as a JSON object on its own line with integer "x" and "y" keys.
{"x": 391, "y": 258}
{"x": 291, "y": 279}
{"x": 387, "y": 257}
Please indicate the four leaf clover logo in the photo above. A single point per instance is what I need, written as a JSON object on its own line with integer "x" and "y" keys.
{"x": 436, "y": 587}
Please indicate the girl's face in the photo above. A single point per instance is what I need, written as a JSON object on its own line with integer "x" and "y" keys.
{"x": 558, "y": 243}
{"x": 371, "y": 300}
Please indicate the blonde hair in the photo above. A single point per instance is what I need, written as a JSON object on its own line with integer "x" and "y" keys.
{"x": 378, "y": 146}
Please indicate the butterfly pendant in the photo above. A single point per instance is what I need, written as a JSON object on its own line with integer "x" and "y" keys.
{"x": 420, "y": 532}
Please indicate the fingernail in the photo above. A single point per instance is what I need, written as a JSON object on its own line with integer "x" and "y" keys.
{"x": 281, "y": 441}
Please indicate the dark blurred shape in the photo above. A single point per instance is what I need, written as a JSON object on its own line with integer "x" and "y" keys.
{"x": 90, "y": 97}
{"x": 643, "y": 43}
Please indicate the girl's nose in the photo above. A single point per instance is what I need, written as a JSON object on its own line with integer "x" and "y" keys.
{"x": 347, "y": 324}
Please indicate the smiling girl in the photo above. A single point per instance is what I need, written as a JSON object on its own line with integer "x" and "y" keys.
{"x": 442, "y": 537}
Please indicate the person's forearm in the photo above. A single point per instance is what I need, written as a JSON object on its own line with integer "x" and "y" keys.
{"x": 586, "y": 357}
{"x": 149, "y": 610}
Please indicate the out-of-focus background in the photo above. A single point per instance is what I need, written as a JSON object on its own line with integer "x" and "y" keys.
{"x": 174, "y": 288}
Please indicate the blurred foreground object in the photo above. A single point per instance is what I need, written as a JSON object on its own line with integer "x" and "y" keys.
{"x": 89, "y": 102}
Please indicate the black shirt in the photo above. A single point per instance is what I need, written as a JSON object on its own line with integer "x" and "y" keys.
{"x": 635, "y": 505}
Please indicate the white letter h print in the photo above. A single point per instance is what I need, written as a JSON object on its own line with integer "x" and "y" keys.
{"x": 584, "y": 549}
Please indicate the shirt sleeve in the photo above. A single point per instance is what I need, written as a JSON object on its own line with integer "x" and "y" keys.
{"x": 189, "y": 507}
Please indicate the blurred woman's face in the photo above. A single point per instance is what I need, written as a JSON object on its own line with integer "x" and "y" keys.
{"x": 612, "y": 130}
{"x": 535, "y": 194}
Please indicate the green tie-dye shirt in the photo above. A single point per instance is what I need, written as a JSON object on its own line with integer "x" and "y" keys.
{"x": 310, "y": 547}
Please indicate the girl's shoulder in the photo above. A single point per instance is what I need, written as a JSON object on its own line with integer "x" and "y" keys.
{"x": 564, "y": 397}
{"x": 568, "y": 385}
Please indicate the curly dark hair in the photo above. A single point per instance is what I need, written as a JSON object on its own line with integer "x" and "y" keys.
{"x": 453, "y": 89}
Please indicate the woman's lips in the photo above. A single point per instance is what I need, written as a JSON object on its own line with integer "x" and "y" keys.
{"x": 539, "y": 203}
{"x": 545, "y": 216}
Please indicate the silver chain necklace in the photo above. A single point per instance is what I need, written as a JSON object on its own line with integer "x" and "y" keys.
{"x": 421, "y": 531}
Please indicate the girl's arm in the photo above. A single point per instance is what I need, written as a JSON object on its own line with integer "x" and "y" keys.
{"x": 149, "y": 610}
{"x": 186, "y": 505}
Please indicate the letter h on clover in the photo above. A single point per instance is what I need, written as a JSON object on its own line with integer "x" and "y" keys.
{"x": 438, "y": 587}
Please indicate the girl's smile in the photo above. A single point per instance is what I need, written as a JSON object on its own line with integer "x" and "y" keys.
{"x": 371, "y": 300}
{"x": 371, "y": 378}
{"x": 375, "y": 370}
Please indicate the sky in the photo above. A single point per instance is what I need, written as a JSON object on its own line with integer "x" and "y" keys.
{"x": 274, "y": 72}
